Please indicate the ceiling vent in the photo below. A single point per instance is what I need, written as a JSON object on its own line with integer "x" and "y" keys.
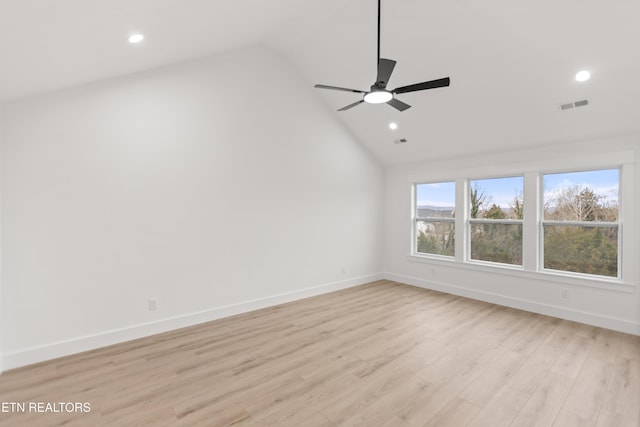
{"x": 400, "y": 141}
{"x": 575, "y": 104}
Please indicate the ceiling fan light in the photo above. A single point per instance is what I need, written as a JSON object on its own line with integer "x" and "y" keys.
{"x": 378, "y": 97}
{"x": 583, "y": 76}
{"x": 135, "y": 38}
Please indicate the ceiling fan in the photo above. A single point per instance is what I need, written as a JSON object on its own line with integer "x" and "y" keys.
{"x": 378, "y": 92}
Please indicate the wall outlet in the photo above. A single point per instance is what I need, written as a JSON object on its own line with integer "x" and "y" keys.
{"x": 564, "y": 293}
{"x": 153, "y": 304}
{"x": 343, "y": 270}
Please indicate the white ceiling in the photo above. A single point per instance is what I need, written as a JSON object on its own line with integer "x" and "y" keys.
{"x": 511, "y": 62}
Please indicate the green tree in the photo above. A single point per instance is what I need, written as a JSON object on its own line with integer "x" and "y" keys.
{"x": 427, "y": 244}
{"x": 517, "y": 206}
{"x": 495, "y": 212}
{"x": 497, "y": 243}
{"x": 589, "y": 250}
{"x": 581, "y": 249}
{"x": 478, "y": 200}
{"x": 493, "y": 242}
{"x": 438, "y": 239}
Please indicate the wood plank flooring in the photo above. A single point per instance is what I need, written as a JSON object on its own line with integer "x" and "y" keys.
{"x": 382, "y": 354}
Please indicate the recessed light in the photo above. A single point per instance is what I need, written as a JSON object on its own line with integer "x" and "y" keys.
{"x": 393, "y": 126}
{"x": 583, "y": 76}
{"x": 136, "y": 38}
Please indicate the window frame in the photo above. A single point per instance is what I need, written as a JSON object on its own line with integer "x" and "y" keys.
{"x": 532, "y": 171}
{"x": 589, "y": 224}
{"x": 468, "y": 222}
{"x": 417, "y": 219}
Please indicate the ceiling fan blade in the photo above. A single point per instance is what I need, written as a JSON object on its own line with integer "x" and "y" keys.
{"x": 351, "y": 105}
{"x": 344, "y": 89}
{"x": 398, "y": 105}
{"x": 385, "y": 68}
{"x": 433, "y": 84}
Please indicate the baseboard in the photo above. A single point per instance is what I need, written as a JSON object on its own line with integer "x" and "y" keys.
{"x": 77, "y": 345}
{"x": 608, "y": 322}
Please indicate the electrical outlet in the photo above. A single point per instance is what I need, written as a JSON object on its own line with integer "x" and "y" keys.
{"x": 564, "y": 293}
{"x": 153, "y": 304}
{"x": 343, "y": 270}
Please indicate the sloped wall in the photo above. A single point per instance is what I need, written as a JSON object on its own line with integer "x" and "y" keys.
{"x": 213, "y": 187}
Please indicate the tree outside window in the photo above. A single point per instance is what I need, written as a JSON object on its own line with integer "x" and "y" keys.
{"x": 496, "y": 214}
{"x": 581, "y": 222}
{"x": 435, "y": 218}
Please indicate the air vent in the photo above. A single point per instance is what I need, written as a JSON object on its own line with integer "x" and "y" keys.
{"x": 400, "y": 141}
{"x": 575, "y": 104}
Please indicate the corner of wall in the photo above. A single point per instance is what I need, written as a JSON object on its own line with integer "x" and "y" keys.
{"x": 600, "y": 306}
{"x": 1, "y": 245}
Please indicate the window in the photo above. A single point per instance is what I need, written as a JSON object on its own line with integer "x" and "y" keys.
{"x": 495, "y": 220}
{"x": 575, "y": 225}
{"x": 580, "y": 227}
{"x": 435, "y": 218}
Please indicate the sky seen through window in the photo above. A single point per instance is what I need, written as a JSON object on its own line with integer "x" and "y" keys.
{"x": 502, "y": 191}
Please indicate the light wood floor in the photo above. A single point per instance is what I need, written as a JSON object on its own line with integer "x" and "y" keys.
{"x": 381, "y": 354}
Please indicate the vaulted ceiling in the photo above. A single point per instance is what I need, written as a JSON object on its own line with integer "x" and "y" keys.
{"x": 512, "y": 63}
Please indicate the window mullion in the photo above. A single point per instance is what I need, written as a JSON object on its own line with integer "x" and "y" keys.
{"x": 530, "y": 226}
{"x": 462, "y": 213}
{"x": 628, "y": 268}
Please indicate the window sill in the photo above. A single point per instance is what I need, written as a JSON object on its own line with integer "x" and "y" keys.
{"x": 517, "y": 271}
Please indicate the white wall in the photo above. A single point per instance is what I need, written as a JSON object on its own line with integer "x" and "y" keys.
{"x": 1, "y": 321}
{"x": 215, "y": 186}
{"x": 614, "y": 306}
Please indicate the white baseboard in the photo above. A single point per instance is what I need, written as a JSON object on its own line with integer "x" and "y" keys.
{"x": 77, "y": 345}
{"x": 594, "y": 319}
